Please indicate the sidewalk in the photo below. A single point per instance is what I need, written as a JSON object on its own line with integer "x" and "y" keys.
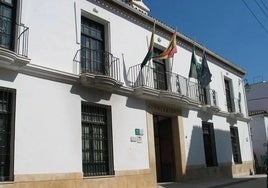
{"x": 214, "y": 183}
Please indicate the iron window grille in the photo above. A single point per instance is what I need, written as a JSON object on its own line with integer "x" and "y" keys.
{"x": 209, "y": 144}
{"x": 97, "y": 147}
{"x": 7, "y": 116}
{"x": 235, "y": 145}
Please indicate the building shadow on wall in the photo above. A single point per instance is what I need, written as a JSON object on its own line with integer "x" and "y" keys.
{"x": 125, "y": 72}
{"x": 231, "y": 121}
{"x": 8, "y": 75}
{"x": 208, "y": 158}
{"x": 135, "y": 103}
{"x": 89, "y": 94}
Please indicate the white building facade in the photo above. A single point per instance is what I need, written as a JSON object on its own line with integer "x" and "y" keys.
{"x": 257, "y": 100}
{"x": 259, "y": 129}
{"x": 77, "y": 110}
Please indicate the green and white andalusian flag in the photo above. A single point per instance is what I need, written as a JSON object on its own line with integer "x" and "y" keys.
{"x": 195, "y": 68}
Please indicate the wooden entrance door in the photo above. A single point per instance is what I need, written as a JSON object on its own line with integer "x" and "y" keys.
{"x": 164, "y": 153}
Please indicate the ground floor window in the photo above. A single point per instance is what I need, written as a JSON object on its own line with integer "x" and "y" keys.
{"x": 235, "y": 145}
{"x": 209, "y": 144}
{"x": 97, "y": 147}
{"x": 7, "y": 112}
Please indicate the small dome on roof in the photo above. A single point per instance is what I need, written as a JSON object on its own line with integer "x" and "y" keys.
{"x": 139, "y": 5}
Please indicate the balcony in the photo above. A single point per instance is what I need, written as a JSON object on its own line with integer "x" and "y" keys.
{"x": 209, "y": 99}
{"x": 13, "y": 49}
{"x": 98, "y": 68}
{"x": 172, "y": 88}
{"x": 234, "y": 107}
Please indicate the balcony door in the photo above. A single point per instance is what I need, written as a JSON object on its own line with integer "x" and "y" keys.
{"x": 7, "y": 23}
{"x": 92, "y": 47}
{"x": 160, "y": 78}
{"x": 228, "y": 93}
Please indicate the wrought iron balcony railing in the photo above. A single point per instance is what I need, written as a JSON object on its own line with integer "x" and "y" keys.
{"x": 18, "y": 42}
{"x": 172, "y": 82}
{"x": 234, "y": 106}
{"x": 22, "y": 40}
{"x": 97, "y": 62}
{"x": 237, "y": 104}
{"x": 209, "y": 97}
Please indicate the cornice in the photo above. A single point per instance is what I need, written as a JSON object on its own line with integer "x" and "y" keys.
{"x": 11, "y": 60}
{"x": 49, "y": 73}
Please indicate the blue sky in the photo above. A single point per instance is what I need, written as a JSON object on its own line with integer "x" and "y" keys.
{"x": 226, "y": 27}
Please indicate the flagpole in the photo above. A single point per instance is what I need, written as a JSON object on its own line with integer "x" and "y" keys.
{"x": 151, "y": 58}
{"x": 197, "y": 82}
{"x": 170, "y": 73}
{"x": 200, "y": 90}
{"x": 145, "y": 66}
{"x": 172, "y": 64}
{"x": 204, "y": 49}
{"x": 148, "y": 68}
{"x": 149, "y": 64}
{"x": 173, "y": 56}
{"x": 196, "y": 71}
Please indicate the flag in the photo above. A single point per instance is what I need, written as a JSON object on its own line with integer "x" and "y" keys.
{"x": 170, "y": 50}
{"x": 195, "y": 67}
{"x": 205, "y": 77}
{"x": 149, "y": 54}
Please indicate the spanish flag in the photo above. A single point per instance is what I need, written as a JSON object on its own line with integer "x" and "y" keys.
{"x": 170, "y": 50}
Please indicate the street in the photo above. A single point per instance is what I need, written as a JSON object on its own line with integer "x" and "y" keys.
{"x": 255, "y": 183}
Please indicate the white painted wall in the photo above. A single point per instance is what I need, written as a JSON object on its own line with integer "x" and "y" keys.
{"x": 129, "y": 114}
{"x": 194, "y": 144}
{"x": 223, "y": 140}
{"x": 257, "y": 99}
{"x": 245, "y": 142}
{"x": 47, "y": 129}
{"x": 52, "y": 38}
{"x": 48, "y": 126}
